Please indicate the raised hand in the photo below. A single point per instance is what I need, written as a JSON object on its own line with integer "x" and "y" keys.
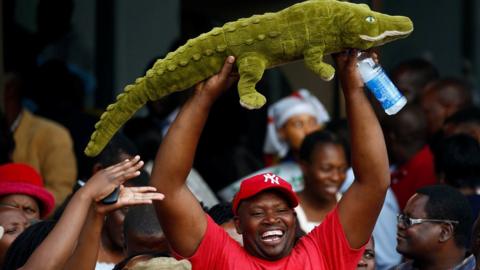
{"x": 367, "y": 148}
{"x": 220, "y": 81}
{"x": 346, "y": 63}
{"x": 105, "y": 181}
{"x": 131, "y": 196}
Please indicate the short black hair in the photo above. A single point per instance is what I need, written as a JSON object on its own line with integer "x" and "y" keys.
{"x": 423, "y": 69}
{"x": 221, "y": 213}
{"x": 26, "y": 243}
{"x": 142, "y": 220}
{"x": 453, "y": 90}
{"x": 118, "y": 145}
{"x": 458, "y": 160}
{"x": 467, "y": 115}
{"x": 419, "y": 71}
{"x": 445, "y": 202}
{"x": 340, "y": 128}
{"x": 318, "y": 138}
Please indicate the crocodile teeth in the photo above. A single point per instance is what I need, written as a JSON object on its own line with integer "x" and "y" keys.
{"x": 384, "y": 35}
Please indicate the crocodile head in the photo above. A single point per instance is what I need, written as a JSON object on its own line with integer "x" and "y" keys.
{"x": 363, "y": 28}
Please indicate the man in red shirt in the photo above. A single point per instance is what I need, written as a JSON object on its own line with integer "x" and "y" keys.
{"x": 406, "y": 134}
{"x": 263, "y": 207}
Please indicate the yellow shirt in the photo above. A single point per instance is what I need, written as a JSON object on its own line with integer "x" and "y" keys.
{"x": 47, "y": 147}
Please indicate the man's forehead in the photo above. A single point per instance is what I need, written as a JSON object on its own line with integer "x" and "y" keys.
{"x": 10, "y": 210}
{"x": 269, "y": 196}
{"x": 416, "y": 204}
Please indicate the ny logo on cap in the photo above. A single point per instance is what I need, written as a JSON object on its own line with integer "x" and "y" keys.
{"x": 272, "y": 178}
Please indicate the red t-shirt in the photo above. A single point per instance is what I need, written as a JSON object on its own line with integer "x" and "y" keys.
{"x": 418, "y": 172}
{"x": 325, "y": 247}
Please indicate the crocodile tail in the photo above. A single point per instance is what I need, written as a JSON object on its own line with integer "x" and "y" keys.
{"x": 128, "y": 102}
{"x": 195, "y": 61}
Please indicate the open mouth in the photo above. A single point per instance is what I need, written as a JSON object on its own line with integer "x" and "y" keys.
{"x": 272, "y": 237}
{"x": 384, "y": 35}
{"x": 331, "y": 189}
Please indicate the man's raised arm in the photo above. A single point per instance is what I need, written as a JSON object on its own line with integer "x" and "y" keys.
{"x": 180, "y": 214}
{"x": 361, "y": 204}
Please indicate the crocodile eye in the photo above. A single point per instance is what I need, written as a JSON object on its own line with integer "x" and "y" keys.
{"x": 370, "y": 19}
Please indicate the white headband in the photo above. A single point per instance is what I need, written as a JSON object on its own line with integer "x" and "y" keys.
{"x": 294, "y": 108}
{"x": 299, "y": 102}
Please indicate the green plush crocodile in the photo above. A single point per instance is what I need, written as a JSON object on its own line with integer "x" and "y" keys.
{"x": 308, "y": 30}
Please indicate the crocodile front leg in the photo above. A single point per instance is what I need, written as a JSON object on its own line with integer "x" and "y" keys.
{"x": 314, "y": 61}
{"x": 250, "y": 68}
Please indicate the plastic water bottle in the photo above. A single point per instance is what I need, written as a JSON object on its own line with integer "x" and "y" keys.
{"x": 380, "y": 85}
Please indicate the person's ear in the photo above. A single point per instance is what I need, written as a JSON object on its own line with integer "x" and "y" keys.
{"x": 236, "y": 222}
{"x": 447, "y": 232}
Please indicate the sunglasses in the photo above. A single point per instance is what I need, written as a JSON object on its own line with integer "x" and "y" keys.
{"x": 407, "y": 221}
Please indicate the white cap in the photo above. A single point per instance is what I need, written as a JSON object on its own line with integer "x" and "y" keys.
{"x": 299, "y": 102}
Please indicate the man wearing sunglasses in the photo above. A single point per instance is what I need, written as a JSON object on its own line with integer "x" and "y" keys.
{"x": 434, "y": 230}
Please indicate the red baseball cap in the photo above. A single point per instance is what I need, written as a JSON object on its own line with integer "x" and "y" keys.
{"x": 260, "y": 182}
{"x": 17, "y": 178}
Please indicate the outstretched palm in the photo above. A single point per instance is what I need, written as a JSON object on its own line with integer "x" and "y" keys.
{"x": 131, "y": 196}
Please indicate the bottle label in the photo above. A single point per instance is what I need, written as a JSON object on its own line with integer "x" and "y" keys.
{"x": 384, "y": 90}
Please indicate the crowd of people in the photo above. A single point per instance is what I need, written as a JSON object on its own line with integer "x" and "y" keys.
{"x": 368, "y": 192}
{"x": 204, "y": 184}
